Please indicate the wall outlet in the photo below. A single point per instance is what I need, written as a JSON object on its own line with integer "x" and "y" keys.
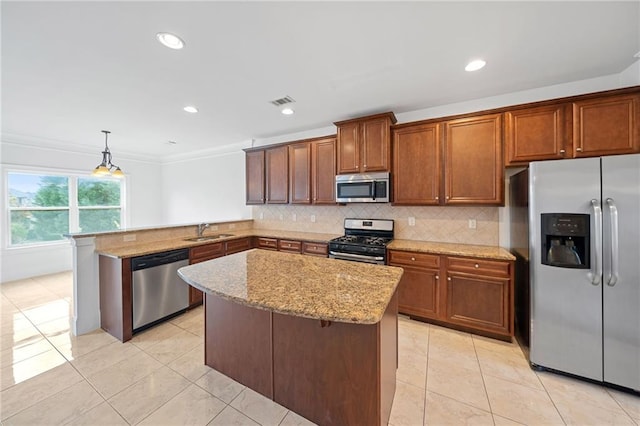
{"x": 261, "y": 215}
{"x": 313, "y": 218}
{"x": 129, "y": 238}
{"x": 281, "y": 217}
{"x": 294, "y": 217}
{"x": 412, "y": 221}
{"x": 472, "y": 224}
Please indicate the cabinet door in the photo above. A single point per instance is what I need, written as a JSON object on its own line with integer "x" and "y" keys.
{"x": 474, "y": 171}
{"x": 416, "y": 165}
{"x": 315, "y": 249}
{"x": 349, "y": 148}
{"x": 277, "y": 175}
{"x": 606, "y": 126}
{"x": 376, "y": 146}
{"x": 323, "y": 171}
{"x": 255, "y": 177}
{"x": 418, "y": 293}
{"x": 300, "y": 173}
{"x": 537, "y": 134}
{"x": 478, "y": 301}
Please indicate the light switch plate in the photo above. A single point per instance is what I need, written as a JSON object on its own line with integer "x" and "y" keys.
{"x": 261, "y": 215}
{"x": 313, "y": 218}
{"x": 412, "y": 221}
{"x": 472, "y": 224}
{"x": 294, "y": 217}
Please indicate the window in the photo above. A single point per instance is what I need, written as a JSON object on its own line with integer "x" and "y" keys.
{"x": 44, "y": 207}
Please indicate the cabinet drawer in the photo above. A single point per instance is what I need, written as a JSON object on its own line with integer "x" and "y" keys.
{"x": 317, "y": 249}
{"x": 268, "y": 243}
{"x": 235, "y": 246}
{"x": 479, "y": 266}
{"x": 289, "y": 245}
{"x": 410, "y": 258}
{"x": 205, "y": 252}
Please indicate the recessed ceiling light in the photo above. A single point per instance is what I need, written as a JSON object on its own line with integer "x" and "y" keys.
{"x": 191, "y": 109}
{"x": 287, "y": 111}
{"x": 172, "y": 143}
{"x": 172, "y": 41}
{"x": 475, "y": 65}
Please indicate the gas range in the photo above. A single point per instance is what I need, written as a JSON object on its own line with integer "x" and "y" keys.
{"x": 365, "y": 240}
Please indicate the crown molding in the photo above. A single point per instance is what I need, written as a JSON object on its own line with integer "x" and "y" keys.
{"x": 207, "y": 153}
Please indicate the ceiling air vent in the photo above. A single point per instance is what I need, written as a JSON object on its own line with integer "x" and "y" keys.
{"x": 283, "y": 101}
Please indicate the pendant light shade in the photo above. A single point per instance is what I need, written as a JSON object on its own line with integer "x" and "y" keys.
{"x": 105, "y": 168}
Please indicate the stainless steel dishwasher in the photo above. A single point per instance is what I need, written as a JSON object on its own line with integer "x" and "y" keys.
{"x": 158, "y": 291}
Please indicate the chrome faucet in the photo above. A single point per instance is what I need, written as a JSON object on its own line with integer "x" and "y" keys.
{"x": 201, "y": 228}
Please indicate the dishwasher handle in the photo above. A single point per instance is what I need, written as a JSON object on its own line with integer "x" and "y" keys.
{"x": 157, "y": 259}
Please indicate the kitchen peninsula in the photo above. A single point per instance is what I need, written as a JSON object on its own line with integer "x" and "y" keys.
{"x": 316, "y": 335}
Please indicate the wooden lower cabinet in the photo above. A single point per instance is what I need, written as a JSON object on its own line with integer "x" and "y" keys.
{"x": 290, "y": 246}
{"x": 315, "y": 249}
{"x": 470, "y": 294}
{"x": 293, "y": 246}
{"x": 236, "y": 246}
{"x": 267, "y": 243}
{"x": 201, "y": 254}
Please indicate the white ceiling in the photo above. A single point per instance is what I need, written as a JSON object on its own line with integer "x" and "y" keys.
{"x": 71, "y": 69}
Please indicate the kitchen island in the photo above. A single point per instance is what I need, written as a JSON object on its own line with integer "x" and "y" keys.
{"x": 316, "y": 335}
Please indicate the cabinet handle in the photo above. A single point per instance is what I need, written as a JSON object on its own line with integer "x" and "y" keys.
{"x": 448, "y": 278}
{"x": 562, "y": 151}
{"x": 578, "y": 149}
{"x": 476, "y": 265}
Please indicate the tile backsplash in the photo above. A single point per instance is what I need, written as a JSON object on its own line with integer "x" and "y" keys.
{"x": 440, "y": 224}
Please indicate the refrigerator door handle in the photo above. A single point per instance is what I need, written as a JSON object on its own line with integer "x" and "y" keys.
{"x": 613, "y": 222}
{"x": 597, "y": 213}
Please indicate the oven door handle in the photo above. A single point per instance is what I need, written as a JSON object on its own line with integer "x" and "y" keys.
{"x": 350, "y": 256}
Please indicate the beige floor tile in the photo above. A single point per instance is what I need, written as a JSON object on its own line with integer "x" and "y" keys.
{"x": 152, "y": 336}
{"x": 497, "y": 345}
{"x": 32, "y": 391}
{"x": 60, "y": 408}
{"x": 196, "y": 313}
{"x": 30, "y": 367}
{"x": 293, "y": 419}
{"x": 13, "y": 322}
{"x": 24, "y": 336}
{"x": 73, "y": 347}
{"x": 57, "y": 308}
{"x": 629, "y": 403}
{"x": 458, "y": 382}
{"x": 193, "y": 406}
{"x": 503, "y": 421}
{"x": 412, "y": 368}
{"x": 232, "y": 417}
{"x": 220, "y": 386}
{"x": 103, "y": 357}
{"x": 408, "y": 406}
{"x": 194, "y": 325}
{"x": 191, "y": 365}
{"x": 148, "y": 394}
{"x": 259, "y": 408}
{"x": 102, "y": 415}
{"x": 441, "y": 410}
{"x": 508, "y": 366}
{"x": 177, "y": 345}
{"x": 17, "y": 353}
{"x": 521, "y": 403}
{"x": 114, "y": 378}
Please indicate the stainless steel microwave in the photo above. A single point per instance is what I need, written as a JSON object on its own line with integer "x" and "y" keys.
{"x": 363, "y": 188}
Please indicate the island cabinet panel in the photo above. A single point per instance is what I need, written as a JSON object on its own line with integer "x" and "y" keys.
{"x": 255, "y": 177}
{"x": 474, "y": 169}
{"x": 277, "y": 175}
{"x": 232, "y": 329}
{"x": 235, "y": 246}
{"x": 352, "y": 383}
{"x": 606, "y": 125}
{"x": 419, "y": 290}
{"x": 480, "y": 295}
{"x": 201, "y": 254}
{"x": 116, "y": 314}
{"x": 300, "y": 173}
{"x": 540, "y": 133}
{"x": 364, "y": 144}
{"x": 417, "y": 166}
{"x": 315, "y": 249}
{"x": 323, "y": 171}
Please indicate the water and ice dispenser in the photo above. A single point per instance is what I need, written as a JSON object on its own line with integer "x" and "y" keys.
{"x": 565, "y": 240}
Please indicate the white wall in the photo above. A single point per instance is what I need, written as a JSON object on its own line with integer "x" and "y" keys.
{"x": 206, "y": 189}
{"x": 143, "y": 192}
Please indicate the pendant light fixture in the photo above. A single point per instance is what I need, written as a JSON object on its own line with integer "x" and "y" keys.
{"x": 105, "y": 168}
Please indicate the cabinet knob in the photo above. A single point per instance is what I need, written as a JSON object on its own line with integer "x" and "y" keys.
{"x": 437, "y": 277}
{"x": 447, "y": 197}
{"x": 437, "y": 198}
{"x": 562, "y": 151}
{"x": 578, "y": 149}
{"x": 413, "y": 258}
{"x": 448, "y": 278}
{"x": 476, "y": 265}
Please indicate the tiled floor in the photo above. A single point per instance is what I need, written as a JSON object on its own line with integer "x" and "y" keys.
{"x": 445, "y": 377}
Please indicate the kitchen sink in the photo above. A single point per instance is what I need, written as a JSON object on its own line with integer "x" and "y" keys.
{"x": 208, "y": 237}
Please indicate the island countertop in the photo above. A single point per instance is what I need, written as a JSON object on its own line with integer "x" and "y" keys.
{"x": 299, "y": 285}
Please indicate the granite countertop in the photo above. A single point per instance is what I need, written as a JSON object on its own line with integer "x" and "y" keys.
{"x": 144, "y": 248}
{"x": 452, "y": 249}
{"x": 299, "y": 285}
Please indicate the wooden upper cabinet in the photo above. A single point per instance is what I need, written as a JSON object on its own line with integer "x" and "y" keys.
{"x": 473, "y": 165}
{"x": 323, "y": 171}
{"x": 607, "y": 125}
{"x": 255, "y": 176}
{"x": 540, "y": 133}
{"x": 277, "y": 175}
{"x": 300, "y": 173}
{"x": 364, "y": 144}
{"x": 416, "y": 165}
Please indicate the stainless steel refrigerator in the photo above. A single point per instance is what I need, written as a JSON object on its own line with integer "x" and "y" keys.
{"x": 584, "y": 254}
